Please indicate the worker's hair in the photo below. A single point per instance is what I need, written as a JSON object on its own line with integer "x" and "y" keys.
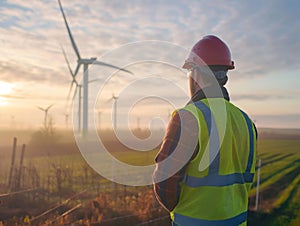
{"x": 212, "y": 73}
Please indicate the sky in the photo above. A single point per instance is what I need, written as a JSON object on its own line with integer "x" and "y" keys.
{"x": 263, "y": 37}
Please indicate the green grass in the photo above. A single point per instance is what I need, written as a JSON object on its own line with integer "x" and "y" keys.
{"x": 287, "y": 192}
{"x": 280, "y": 167}
{"x": 296, "y": 203}
{"x": 272, "y": 178}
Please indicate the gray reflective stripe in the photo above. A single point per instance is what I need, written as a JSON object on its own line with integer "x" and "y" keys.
{"x": 251, "y": 134}
{"x": 189, "y": 221}
{"x": 219, "y": 180}
{"x": 214, "y": 142}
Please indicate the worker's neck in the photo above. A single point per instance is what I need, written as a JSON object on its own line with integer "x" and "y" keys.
{"x": 196, "y": 87}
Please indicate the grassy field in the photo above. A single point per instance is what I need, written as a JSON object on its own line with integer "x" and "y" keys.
{"x": 279, "y": 202}
{"x": 61, "y": 176}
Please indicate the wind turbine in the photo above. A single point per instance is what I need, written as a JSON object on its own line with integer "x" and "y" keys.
{"x": 45, "y": 110}
{"x": 78, "y": 87}
{"x": 66, "y": 120}
{"x": 115, "y": 99}
{"x": 12, "y": 121}
{"x": 86, "y": 62}
{"x": 138, "y": 121}
{"x": 99, "y": 119}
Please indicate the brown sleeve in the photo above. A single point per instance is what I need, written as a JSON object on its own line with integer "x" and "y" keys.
{"x": 179, "y": 146}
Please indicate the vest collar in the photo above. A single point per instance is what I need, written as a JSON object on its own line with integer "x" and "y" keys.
{"x": 210, "y": 92}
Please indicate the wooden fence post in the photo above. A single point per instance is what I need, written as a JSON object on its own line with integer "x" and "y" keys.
{"x": 12, "y": 165}
{"x": 257, "y": 185}
{"x": 21, "y": 167}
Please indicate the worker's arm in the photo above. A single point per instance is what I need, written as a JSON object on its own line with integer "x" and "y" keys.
{"x": 177, "y": 149}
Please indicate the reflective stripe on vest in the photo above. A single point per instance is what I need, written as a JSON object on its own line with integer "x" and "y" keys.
{"x": 251, "y": 153}
{"x": 214, "y": 141}
{"x": 219, "y": 180}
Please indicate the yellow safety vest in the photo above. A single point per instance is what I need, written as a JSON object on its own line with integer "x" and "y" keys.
{"x": 218, "y": 195}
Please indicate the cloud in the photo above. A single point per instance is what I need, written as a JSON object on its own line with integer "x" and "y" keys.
{"x": 262, "y": 36}
{"x": 98, "y": 26}
{"x": 8, "y": 96}
{"x": 260, "y": 97}
{"x": 12, "y": 71}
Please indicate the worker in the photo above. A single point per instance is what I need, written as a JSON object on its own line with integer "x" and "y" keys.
{"x": 206, "y": 162}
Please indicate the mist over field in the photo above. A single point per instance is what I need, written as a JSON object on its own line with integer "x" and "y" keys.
{"x": 55, "y": 175}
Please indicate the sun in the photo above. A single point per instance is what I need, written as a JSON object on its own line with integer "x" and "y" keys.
{"x": 5, "y": 89}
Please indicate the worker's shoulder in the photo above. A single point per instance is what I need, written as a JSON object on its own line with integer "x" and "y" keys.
{"x": 236, "y": 109}
{"x": 233, "y": 107}
{"x": 238, "y": 114}
{"x": 182, "y": 113}
{"x": 184, "y": 116}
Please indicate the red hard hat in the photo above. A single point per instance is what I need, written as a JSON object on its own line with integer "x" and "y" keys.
{"x": 210, "y": 50}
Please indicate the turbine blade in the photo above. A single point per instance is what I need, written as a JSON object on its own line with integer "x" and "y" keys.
{"x": 112, "y": 66}
{"x": 74, "y": 80}
{"x": 77, "y": 69}
{"x": 69, "y": 31}
{"x": 75, "y": 92}
{"x": 40, "y": 108}
{"x": 67, "y": 61}
{"x": 109, "y": 100}
{"x": 70, "y": 90}
{"x": 49, "y": 107}
{"x": 69, "y": 94}
{"x": 95, "y": 80}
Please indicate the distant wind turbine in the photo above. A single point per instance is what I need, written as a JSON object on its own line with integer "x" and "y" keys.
{"x": 138, "y": 121}
{"x": 66, "y": 120}
{"x": 115, "y": 99}
{"x": 12, "y": 121}
{"x": 99, "y": 119}
{"x": 86, "y": 62}
{"x": 45, "y": 110}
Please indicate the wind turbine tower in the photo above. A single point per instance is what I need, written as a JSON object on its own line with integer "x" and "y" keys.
{"x": 66, "y": 120}
{"x": 99, "y": 120}
{"x": 115, "y": 98}
{"x": 138, "y": 121}
{"x": 115, "y": 102}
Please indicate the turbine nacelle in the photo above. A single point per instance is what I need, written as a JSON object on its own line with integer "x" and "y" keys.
{"x": 87, "y": 61}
